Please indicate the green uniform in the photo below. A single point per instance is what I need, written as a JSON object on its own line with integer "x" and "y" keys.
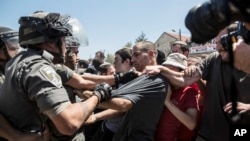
{"x": 32, "y": 87}
{"x": 2, "y": 77}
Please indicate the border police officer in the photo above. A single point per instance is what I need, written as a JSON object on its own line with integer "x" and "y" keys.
{"x": 33, "y": 90}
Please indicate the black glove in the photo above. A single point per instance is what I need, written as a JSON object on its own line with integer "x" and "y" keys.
{"x": 103, "y": 92}
{"x": 124, "y": 78}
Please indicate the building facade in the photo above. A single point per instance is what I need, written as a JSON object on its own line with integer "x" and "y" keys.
{"x": 164, "y": 43}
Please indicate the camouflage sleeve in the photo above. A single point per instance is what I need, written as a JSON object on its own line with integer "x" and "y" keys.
{"x": 64, "y": 72}
{"x": 1, "y": 80}
{"x": 44, "y": 86}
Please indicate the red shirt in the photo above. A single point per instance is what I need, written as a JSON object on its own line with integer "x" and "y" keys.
{"x": 169, "y": 127}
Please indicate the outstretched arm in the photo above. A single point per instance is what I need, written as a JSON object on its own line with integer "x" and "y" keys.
{"x": 78, "y": 82}
{"x": 176, "y": 78}
{"x": 103, "y": 115}
{"x": 119, "y": 104}
{"x": 88, "y": 81}
{"x": 241, "y": 55}
{"x": 100, "y": 78}
{"x": 69, "y": 117}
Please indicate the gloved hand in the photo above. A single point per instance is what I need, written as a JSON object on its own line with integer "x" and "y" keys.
{"x": 103, "y": 92}
{"x": 124, "y": 78}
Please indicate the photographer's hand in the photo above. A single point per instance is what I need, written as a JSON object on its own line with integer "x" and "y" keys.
{"x": 242, "y": 55}
{"x": 241, "y": 107}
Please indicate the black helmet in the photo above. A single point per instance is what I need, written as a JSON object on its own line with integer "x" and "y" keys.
{"x": 8, "y": 38}
{"x": 41, "y": 27}
{"x": 8, "y": 42}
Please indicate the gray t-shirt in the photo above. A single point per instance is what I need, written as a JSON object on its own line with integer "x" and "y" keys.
{"x": 215, "y": 123}
{"x": 148, "y": 94}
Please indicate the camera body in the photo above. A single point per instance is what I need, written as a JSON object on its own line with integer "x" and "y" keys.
{"x": 205, "y": 21}
{"x": 228, "y": 39}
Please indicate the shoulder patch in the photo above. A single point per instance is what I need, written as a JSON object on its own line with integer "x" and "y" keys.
{"x": 50, "y": 74}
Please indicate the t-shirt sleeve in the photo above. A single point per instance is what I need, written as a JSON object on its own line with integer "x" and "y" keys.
{"x": 133, "y": 97}
{"x": 143, "y": 86}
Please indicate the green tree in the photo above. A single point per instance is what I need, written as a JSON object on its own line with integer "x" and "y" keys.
{"x": 128, "y": 44}
{"x": 110, "y": 58}
{"x": 142, "y": 37}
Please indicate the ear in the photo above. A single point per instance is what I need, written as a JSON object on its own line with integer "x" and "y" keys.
{"x": 151, "y": 53}
{"x": 129, "y": 62}
{"x": 49, "y": 46}
{"x": 186, "y": 53}
{"x": 2, "y": 53}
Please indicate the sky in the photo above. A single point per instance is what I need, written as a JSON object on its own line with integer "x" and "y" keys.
{"x": 109, "y": 24}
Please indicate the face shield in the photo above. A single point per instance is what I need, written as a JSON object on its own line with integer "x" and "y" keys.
{"x": 78, "y": 32}
{"x": 72, "y": 42}
{"x": 11, "y": 42}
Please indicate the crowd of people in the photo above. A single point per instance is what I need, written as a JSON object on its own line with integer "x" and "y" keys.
{"x": 48, "y": 93}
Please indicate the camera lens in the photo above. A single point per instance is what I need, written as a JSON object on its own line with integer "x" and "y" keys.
{"x": 204, "y": 22}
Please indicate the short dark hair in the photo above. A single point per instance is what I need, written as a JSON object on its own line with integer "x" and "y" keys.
{"x": 125, "y": 53}
{"x": 96, "y": 63}
{"x": 103, "y": 68}
{"x": 101, "y": 54}
{"x": 183, "y": 45}
{"x": 161, "y": 57}
{"x": 146, "y": 45}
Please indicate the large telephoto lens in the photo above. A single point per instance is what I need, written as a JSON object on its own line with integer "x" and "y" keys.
{"x": 204, "y": 22}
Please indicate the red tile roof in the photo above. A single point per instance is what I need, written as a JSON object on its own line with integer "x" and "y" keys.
{"x": 176, "y": 36}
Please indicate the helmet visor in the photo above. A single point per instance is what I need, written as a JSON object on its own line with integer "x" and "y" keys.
{"x": 72, "y": 42}
{"x": 12, "y": 43}
{"x": 79, "y": 32}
